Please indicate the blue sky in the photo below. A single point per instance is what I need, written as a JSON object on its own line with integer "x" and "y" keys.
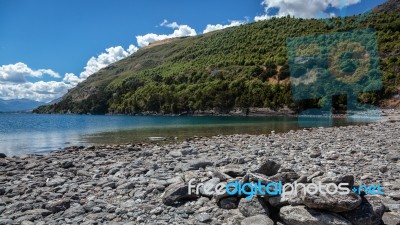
{"x": 45, "y": 45}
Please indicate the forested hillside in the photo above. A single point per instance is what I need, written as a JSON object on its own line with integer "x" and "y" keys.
{"x": 235, "y": 68}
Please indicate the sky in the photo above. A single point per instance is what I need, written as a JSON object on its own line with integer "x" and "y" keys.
{"x": 48, "y": 47}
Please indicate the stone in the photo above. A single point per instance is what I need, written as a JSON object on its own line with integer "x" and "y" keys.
{"x": 229, "y": 203}
{"x": 233, "y": 170}
{"x": 38, "y": 212}
{"x": 268, "y": 168}
{"x": 370, "y": 212}
{"x": 2, "y": 155}
{"x": 204, "y": 217}
{"x": 177, "y": 192}
{"x": 285, "y": 177}
{"x": 256, "y": 177}
{"x": 255, "y": 206}
{"x": 393, "y": 156}
{"x": 314, "y": 175}
{"x": 337, "y": 179}
{"x": 67, "y": 164}
{"x": 6, "y": 221}
{"x": 55, "y": 182}
{"x": 301, "y": 215}
{"x": 391, "y": 218}
{"x": 3, "y": 162}
{"x": 128, "y": 185}
{"x": 196, "y": 164}
{"x": 333, "y": 203}
{"x": 58, "y": 205}
{"x": 257, "y": 220}
{"x": 208, "y": 188}
{"x": 74, "y": 211}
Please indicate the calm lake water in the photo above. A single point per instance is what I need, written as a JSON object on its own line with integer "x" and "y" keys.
{"x": 31, "y": 133}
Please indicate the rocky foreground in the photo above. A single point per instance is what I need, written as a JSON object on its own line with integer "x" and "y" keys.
{"x": 147, "y": 184}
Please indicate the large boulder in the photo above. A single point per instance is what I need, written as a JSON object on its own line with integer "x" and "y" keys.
{"x": 391, "y": 218}
{"x": 285, "y": 177}
{"x": 257, "y": 220}
{"x": 337, "y": 179}
{"x": 333, "y": 203}
{"x": 370, "y": 212}
{"x": 268, "y": 168}
{"x": 233, "y": 170}
{"x": 255, "y": 206}
{"x": 301, "y": 215}
{"x": 177, "y": 192}
{"x": 2, "y": 155}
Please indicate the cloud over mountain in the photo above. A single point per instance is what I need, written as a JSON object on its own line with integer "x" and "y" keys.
{"x": 302, "y": 9}
{"x": 211, "y": 27}
{"x": 179, "y": 31}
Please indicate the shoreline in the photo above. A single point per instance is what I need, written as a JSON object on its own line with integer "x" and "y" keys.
{"x": 135, "y": 184}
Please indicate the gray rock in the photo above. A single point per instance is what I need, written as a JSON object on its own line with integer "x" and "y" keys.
{"x": 56, "y": 182}
{"x": 229, "y": 203}
{"x": 300, "y": 215}
{"x": 6, "y": 221}
{"x": 58, "y": 205}
{"x": 370, "y": 212}
{"x": 257, "y": 220}
{"x": 255, "y": 177}
{"x": 393, "y": 156}
{"x": 391, "y": 218}
{"x": 74, "y": 211}
{"x": 255, "y": 206}
{"x": 204, "y": 217}
{"x": 67, "y": 164}
{"x": 128, "y": 185}
{"x": 208, "y": 188}
{"x": 285, "y": 177}
{"x": 196, "y": 164}
{"x": 314, "y": 175}
{"x": 233, "y": 170}
{"x": 177, "y": 192}
{"x": 338, "y": 179}
{"x": 268, "y": 168}
{"x": 333, "y": 203}
{"x": 2, "y": 155}
{"x": 3, "y": 162}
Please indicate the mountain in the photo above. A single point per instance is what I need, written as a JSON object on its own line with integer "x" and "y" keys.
{"x": 234, "y": 68}
{"x": 388, "y": 7}
{"x": 18, "y": 105}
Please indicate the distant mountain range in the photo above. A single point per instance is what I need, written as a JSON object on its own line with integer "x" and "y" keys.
{"x": 18, "y": 105}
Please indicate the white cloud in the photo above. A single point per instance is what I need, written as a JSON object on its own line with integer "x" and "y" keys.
{"x": 13, "y": 84}
{"x": 111, "y": 55}
{"x": 72, "y": 79}
{"x": 39, "y": 91}
{"x": 215, "y": 27}
{"x": 179, "y": 31}
{"x": 16, "y": 73}
{"x": 303, "y": 9}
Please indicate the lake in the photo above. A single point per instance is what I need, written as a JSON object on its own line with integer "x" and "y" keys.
{"x": 32, "y": 133}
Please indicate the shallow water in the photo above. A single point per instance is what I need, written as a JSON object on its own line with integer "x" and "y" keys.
{"x": 32, "y": 133}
